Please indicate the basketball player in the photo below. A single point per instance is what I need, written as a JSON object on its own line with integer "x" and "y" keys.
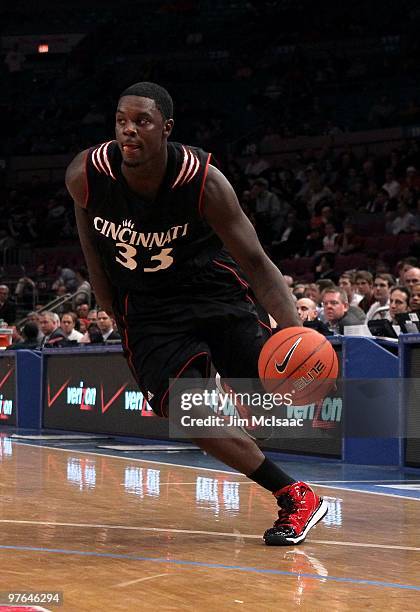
{"x": 162, "y": 230}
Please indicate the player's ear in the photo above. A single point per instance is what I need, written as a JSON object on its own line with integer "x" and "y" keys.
{"x": 167, "y": 127}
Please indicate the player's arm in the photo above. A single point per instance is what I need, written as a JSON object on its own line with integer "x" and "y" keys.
{"x": 77, "y": 186}
{"x": 222, "y": 211}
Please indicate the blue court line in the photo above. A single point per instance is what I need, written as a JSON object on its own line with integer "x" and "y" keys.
{"x": 256, "y": 570}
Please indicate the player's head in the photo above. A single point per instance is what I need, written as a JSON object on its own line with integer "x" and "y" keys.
{"x": 143, "y": 123}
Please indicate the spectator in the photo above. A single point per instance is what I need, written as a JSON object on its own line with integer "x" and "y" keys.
{"x": 412, "y": 179}
{"x": 30, "y": 338}
{"x": 298, "y": 290}
{"x": 307, "y": 309}
{"x": 404, "y": 222}
{"x": 84, "y": 324}
{"x": 54, "y": 222}
{"x": 415, "y": 297}
{"x": 291, "y": 240}
{"x": 348, "y": 242}
{"x": 381, "y": 290}
{"x": 82, "y": 310}
{"x": 313, "y": 243}
{"x": 67, "y": 277}
{"x": 347, "y": 282}
{"x": 26, "y": 292}
{"x": 411, "y": 277}
{"x": 94, "y": 334}
{"x": 399, "y": 298}
{"x": 256, "y": 165}
{"x": 325, "y": 268}
{"x": 42, "y": 283}
{"x": 402, "y": 266}
{"x": 364, "y": 284}
{"x": 313, "y": 291}
{"x": 329, "y": 241}
{"x": 35, "y": 317}
{"x": 268, "y": 213}
{"x": 84, "y": 289}
{"x": 336, "y": 310}
{"x": 289, "y": 281}
{"x": 308, "y": 314}
{"x": 92, "y": 316}
{"x": 68, "y": 322}
{"x": 7, "y": 306}
{"x": 391, "y": 185}
{"x": 106, "y": 327}
{"x": 53, "y": 335}
{"x": 378, "y": 202}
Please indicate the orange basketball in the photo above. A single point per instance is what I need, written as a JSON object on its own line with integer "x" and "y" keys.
{"x": 298, "y": 361}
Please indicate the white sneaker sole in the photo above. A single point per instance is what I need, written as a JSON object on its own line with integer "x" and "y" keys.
{"x": 318, "y": 516}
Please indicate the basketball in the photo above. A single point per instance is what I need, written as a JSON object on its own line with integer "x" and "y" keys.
{"x": 298, "y": 361}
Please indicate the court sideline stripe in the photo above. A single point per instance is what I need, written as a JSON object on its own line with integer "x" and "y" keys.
{"x": 200, "y": 564}
{"x": 227, "y": 534}
{"x": 193, "y": 467}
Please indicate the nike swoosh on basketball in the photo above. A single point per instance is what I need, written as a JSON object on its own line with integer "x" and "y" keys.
{"x": 281, "y": 367}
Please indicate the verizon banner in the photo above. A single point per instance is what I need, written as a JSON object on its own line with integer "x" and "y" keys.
{"x": 7, "y": 389}
{"x": 96, "y": 393}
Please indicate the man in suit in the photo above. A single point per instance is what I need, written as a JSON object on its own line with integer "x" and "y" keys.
{"x": 336, "y": 310}
{"x": 54, "y": 336}
{"x": 106, "y": 326}
{"x": 7, "y": 306}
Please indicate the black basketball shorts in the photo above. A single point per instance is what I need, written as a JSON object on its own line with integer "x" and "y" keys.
{"x": 209, "y": 319}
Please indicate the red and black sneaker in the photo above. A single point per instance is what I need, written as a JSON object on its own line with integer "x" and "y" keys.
{"x": 300, "y": 510}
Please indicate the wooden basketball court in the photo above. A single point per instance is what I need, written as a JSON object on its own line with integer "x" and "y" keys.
{"x": 116, "y": 533}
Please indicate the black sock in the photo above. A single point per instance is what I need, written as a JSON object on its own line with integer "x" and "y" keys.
{"x": 271, "y": 477}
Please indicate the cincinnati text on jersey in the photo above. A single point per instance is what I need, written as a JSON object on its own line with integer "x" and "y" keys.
{"x": 125, "y": 232}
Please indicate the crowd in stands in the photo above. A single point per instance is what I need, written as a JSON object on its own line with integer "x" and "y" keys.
{"x": 313, "y": 62}
{"x": 342, "y": 216}
{"x": 47, "y": 329}
{"x": 72, "y": 320}
{"x": 334, "y": 305}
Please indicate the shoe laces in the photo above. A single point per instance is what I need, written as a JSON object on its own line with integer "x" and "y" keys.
{"x": 288, "y": 506}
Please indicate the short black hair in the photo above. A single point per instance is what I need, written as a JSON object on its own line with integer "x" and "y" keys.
{"x": 155, "y": 92}
{"x": 30, "y": 331}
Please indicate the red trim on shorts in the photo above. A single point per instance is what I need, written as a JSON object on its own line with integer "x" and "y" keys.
{"x": 184, "y": 367}
{"x": 246, "y": 286}
{"x": 238, "y": 278}
{"x": 85, "y": 203}
{"x": 127, "y": 346}
{"x": 206, "y": 169}
{"x": 266, "y": 326}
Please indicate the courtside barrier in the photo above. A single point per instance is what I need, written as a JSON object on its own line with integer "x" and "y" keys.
{"x": 373, "y": 415}
{"x": 410, "y": 399}
{"x": 91, "y": 390}
{"x": 8, "y": 390}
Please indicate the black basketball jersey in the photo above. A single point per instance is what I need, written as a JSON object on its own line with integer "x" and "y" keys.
{"x": 147, "y": 246}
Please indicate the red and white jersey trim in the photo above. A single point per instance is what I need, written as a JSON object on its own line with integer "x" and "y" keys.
{"x": 101, "y": 161}
{"x": 189, "y": 168}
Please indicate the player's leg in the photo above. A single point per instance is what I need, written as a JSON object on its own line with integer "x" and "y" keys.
{"x": 159, "y": 351}
{"x": 235, "y": 346}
